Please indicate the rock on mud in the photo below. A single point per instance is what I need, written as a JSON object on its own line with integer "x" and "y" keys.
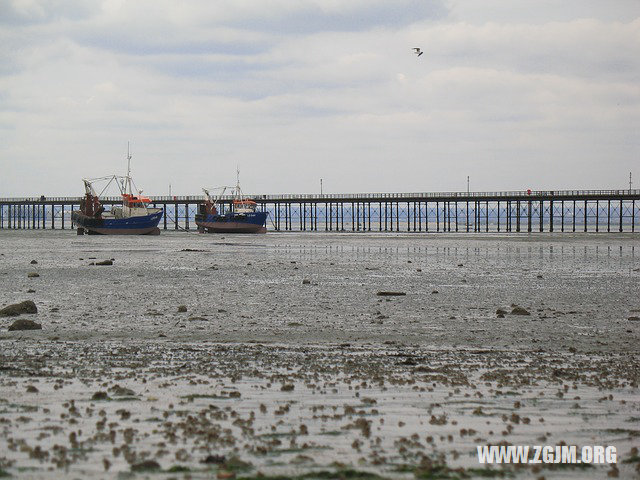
{"x": 519, "y": 311}
{"x": 119, "y": 391}
{"x": 214, "y": 459}
{"x": 105, "y": 262}
{"x": 19, "y": 308}
{"x": 146, "y": 466}
{"x": 33, "y": 275}
{"x": 100, "y": 396}
{"x": 24, "y": 324}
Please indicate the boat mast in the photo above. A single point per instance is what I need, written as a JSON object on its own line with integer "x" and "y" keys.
{"x": 129, "y": 170}
{"x": 238, "y": 191}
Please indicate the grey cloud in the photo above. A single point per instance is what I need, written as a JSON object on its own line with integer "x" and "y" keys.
{"x": 310, "y": 17}
{"x": 44, "y": 11}
{"x": 283, "y": 87}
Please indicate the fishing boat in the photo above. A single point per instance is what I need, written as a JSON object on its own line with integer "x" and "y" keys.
{"x": 133, "y": 217}
{"x": 243, "y": 216}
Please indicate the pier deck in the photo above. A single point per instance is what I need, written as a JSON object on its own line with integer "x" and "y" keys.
{"x": 510, "y": 211}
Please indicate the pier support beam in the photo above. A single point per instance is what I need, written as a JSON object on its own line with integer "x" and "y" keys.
{"x": 621, "y": 215}
{"x": 585, "y": 215}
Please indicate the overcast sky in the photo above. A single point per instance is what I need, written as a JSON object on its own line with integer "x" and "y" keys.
{"x": 524, "y": 94}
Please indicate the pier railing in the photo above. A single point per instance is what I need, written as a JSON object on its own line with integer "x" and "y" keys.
{"x": 354, "y": 196}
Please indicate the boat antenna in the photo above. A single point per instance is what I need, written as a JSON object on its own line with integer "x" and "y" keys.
{"x": 129, "y": 169}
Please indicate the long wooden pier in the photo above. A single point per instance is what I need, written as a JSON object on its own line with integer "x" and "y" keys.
{"x": 511, "y": 212}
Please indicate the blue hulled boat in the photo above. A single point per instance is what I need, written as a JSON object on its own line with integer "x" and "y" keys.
{"x": 243, "y": 217}
{"x": 134, "y": 217}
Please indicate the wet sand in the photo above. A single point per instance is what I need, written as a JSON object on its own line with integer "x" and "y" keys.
{"x": 287, "y": 362}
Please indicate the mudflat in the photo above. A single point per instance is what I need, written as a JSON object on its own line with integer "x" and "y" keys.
{"x": 285, "y": 354}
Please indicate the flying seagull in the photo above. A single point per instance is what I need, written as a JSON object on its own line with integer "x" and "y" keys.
{"x": 417, "y": 51}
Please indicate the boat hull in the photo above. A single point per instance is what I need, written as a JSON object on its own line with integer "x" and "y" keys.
{"x": 142, "y": 225}
{"x": 253, "y": 222}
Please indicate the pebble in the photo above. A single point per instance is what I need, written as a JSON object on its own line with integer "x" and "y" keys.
{"x": 23, "y": 324}
{"x": 147, "y": 465}
{"x": 19, "y": 308}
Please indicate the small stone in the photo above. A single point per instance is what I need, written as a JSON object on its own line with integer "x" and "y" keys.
{"x": 32, "y": 389}
{"x": 306, "y": 281}
{"x": 34, "y": 262}
{"x": 100, "y": 396}
{"x": 519, "y": 311}
{"x": 182, "y": 308}
{"x": 390, "y": 294}
{"x": 287, "y": 387}
{"x": 147, "y": 465}
{"x": 119, "y": 391}
{"x": 105, "y": 262}
{"x": 24, "y": 324}
{"x": 214, "y": 459}
{"x": 33, "y": 275}
{"x": 634, "y": 319}
{"x": 31, "y": 290}
{"x": 19, "y": 308}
